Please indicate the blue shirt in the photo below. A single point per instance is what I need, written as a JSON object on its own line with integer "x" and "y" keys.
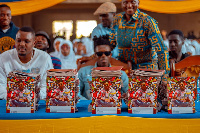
{"x": 139, "y": 41}
{"x": 99, "y": 30}
{"x": 84, "y": 75}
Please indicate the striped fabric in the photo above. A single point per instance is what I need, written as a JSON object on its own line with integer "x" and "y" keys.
{"x": 56, "y": 62}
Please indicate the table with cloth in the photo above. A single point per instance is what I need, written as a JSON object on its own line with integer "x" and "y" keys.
{"x": 84, "y": 121}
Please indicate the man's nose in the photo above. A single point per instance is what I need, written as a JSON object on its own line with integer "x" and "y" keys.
{"x": 172, "y": 43}
{"x": 103, "y": 55}
{"x": 5, "y": 16}
{"x": 22, "y": 43}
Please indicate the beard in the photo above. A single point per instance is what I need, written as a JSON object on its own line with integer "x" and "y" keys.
{"x": 22, "y": 54}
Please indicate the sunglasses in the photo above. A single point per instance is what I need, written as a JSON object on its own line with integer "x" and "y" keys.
{"x": 107, "y": 53}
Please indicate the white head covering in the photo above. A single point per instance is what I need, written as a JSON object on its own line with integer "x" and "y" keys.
{"x": 76, "y": 40}
{"x": 197, "y": 47}
{"x": 89, "y": 46}
{"x": 187, "y": 47}
{"x": 56, "y": 53}
{"x": 68, "y": 62}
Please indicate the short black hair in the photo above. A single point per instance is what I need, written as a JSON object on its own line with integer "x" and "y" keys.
{"x": 4, "y": 5}
{"x": 178, "y": 32}
{"x": 27, "y": 29}
{"x": 102, "y": 40}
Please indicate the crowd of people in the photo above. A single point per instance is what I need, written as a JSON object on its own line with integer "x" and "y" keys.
{"x": 131, "y": 37}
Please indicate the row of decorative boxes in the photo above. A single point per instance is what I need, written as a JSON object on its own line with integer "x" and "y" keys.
{"x": 63, "y": 88}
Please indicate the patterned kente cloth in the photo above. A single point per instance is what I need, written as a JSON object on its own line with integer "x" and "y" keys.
{"x": 139, "y": 41}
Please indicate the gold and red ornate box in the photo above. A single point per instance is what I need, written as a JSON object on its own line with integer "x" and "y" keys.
{"x": 106, "y": 90}
{"x": 62, "y": 89}
{"x": 142, "y": 95}
{"x": 21, "y": 92}
{"x": 181, "y": 95}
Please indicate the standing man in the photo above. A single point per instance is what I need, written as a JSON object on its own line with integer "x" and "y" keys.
{"x": 42, "y": 42}
{"x": 106, "y": 13}
{"x": 24, "y": 58}
{"x": 8, "y": 30}
{"x": 138, "y": 38}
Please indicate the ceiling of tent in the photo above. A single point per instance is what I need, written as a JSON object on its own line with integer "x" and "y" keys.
{"x": 20, "y": 7}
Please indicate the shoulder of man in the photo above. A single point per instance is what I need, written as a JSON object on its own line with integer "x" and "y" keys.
{"x": 85, "y": 70}
{"x": 13, "y": 26}
{"x": 9, "y": 53}
{"x": 119, "y": 15}
{"x": 54, "y": 58}
{"x": 41, "y": 54}
{"x": 99, "y": 26}
{"x": 146, "y": 17}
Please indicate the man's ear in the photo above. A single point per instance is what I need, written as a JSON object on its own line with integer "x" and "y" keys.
{"x": 96, "y": 55}
{"x": 183, "y": 41}
{"x": 34, "y": 43}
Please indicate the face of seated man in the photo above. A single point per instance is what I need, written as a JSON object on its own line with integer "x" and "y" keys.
{"x": 175, "y": 43}
{"x": 103, "y": 54}
{"x": 41, "y": 43}
{"x": 24, "y": 44}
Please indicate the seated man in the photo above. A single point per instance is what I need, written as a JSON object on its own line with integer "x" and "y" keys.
{"x": 24, "y": 58}
{"x": 176, "y": 41}
{"x": 42, "y": 42}
{"x": 103, "y": 54}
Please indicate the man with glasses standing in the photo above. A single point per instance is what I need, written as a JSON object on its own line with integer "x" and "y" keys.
{"x": 103, "y": 54}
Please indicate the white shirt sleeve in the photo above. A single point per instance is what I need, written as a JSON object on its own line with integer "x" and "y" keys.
{"x": 3, "y": 81}
{"x": 43, "y": 77}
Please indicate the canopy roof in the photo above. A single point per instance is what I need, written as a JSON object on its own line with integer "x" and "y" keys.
{"x": 20, "y": 7}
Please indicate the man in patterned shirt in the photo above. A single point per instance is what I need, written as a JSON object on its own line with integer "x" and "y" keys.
{"x": 138, "y": 38}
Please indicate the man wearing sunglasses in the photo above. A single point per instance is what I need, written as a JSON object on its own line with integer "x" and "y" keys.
{"x": 103, "y": 54}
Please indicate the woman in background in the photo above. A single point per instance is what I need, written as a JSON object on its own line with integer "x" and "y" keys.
{"x": 56, "y": 45}
{"x": 67, "y": 55}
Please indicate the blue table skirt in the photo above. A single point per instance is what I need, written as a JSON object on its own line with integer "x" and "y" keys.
{"x": 83, "y": 112}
